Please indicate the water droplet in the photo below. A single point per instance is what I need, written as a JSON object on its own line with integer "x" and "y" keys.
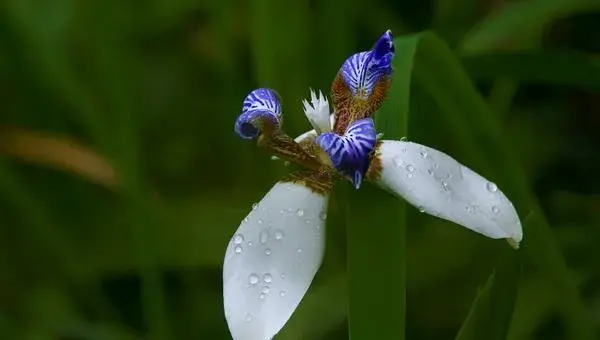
{"x": 430, "y": 172}
{"x": 245, "y": 219}
{"x": 278, "y": 235}
{"x": 267, "y": 278}
{"x": 286, "y": 163}
{"x": 253, "y": 279}
{"x": 299, "y": 250}
{"x": 249, "y": 243}
{"x": 410, "y": 168}
{"x": 421, "y": 208}
{"x": 289, "y": 209}
{"x": 492, "y": 187}
{"x": 300, "y": 212}
{"x": 238, "y": 249}
{"x": 424, "y": 154}
{"x": 282, "y": 293}
{"x": 261, "y": 296}
{"x": 495, "y": 210}
{"x": 445, "y": 186}
{"x": 307, "y": 221}
{"x": 404, "y": 139}
{"x": 282, "y": 211}
{"x": 259, "y": 221}
{"x": 254, "y": 206}
{"x": 318, "y": 227}
{"x": 267, "y": 251}
{"x": 283, "y": 276}
{"x": 398, "y": 161}
{"x": 263, "y": 237}
{"x": 249, "y": 318}
{"x": 266, "y": 290}
{"x": 409, "y": 175}
{"x": 468, "y": 208}
{"x": 323, "y": 215}
{"x": 238, "y": 239}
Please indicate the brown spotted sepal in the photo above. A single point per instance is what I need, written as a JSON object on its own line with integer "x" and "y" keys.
{"x": 362, "y": 83}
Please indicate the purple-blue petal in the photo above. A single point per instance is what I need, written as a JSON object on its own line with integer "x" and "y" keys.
{"x": 362, "y": 71}
{"x": 260, "y": 104}
{"x": 351, "y": 153}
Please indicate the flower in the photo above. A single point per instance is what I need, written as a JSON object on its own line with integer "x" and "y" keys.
{"x": 276, "y": 251}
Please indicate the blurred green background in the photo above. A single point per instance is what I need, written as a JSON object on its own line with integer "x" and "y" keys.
{"x": 121, "y": 179}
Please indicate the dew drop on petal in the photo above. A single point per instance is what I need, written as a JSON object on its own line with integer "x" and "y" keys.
{"x": 283, "y": 276}
{"x": 267, "y": 278}
{"x": 282, "y": 211}
{"x": 410, "y": 168}
{"x": 253, "y": 279}
{"x": 249, "y": 243}
{"x": 468, "y": 208}
{"x": 323, "y": 215}
{"x": 267, "y": 251}
{"x": 238, "y": 239}
{"x": 404, "y": 139}
{"x": 430, "y": 172}
{"x": 398, "y": 162}
{"x": 421, "y": 208}
{"x": 238, "y": 249}
{"x": 282, "y": 293}
{"x": 263, "y": 237}
{"x": 249, "y": 318}
{"x": 261, "y": 296}
{"x": 307, "y": 221}
{"x": 300, "y": 212}
{"x": 254, "y": 206}
{"x": 299, "y": 250}
{"x": 278, "y": 235}
{"x": 259, "y": 221}
{"x": 424, "y": 154}
{"x": 266, "y": 290}
{"x": 495, "y": 210}
{"x": 492, "y": 187}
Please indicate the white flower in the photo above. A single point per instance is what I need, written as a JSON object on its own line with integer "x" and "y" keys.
{"x": 277, "y": 249}
{"x": 317, "y": 112}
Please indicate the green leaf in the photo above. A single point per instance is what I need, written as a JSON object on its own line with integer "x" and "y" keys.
{"x": 492, "y": 310}
{"x": 476, "y": 131}
{"x": 376, "y": 228}
{"x": 520, "y": 25}
{"x": 555, "y": 68}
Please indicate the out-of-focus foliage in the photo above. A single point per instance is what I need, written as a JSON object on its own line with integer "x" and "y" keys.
{"x": 121, "y": 179}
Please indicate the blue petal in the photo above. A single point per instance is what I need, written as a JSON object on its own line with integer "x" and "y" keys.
{"x": 364, "y": 70}
{"x": 351, "y": 153}
{"x": 260, "y": 104}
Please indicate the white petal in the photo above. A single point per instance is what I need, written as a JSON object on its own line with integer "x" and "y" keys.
{"x": 313, "y": 133}
{"x": 438, "y": 185}
{"x": 272, "y": 259}
{"x": 317, "y": 112}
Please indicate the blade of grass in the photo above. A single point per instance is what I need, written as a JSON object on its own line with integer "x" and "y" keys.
{"x": 555, "y": 68}
{"x": 376, "y": 229}
{"x": 519, "y": 25}
{"x": 477, "y": 130}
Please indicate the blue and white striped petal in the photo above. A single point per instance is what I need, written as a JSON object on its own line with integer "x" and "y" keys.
{"x": 362, "y": 83}
{"x": 260, "y": 104}
{"x": 272, "y": 259}
{"x": 350, "y": 153}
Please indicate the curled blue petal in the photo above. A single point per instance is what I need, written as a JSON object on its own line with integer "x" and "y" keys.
{"x": 364, "y": 70}
{"x": 261, "y": 105}
{"x": 351, "y": 153}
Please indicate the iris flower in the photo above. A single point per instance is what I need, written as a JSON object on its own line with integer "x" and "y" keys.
{"x": 276, "y": 251}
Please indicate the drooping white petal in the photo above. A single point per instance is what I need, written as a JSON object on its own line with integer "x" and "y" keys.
{"x": 438, "y": 185}
{"x": 271, "y": 260}
{"x": 317, "y": 112}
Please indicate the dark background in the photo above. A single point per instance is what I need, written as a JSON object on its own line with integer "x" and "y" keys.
{"x": 120, "y": 165}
